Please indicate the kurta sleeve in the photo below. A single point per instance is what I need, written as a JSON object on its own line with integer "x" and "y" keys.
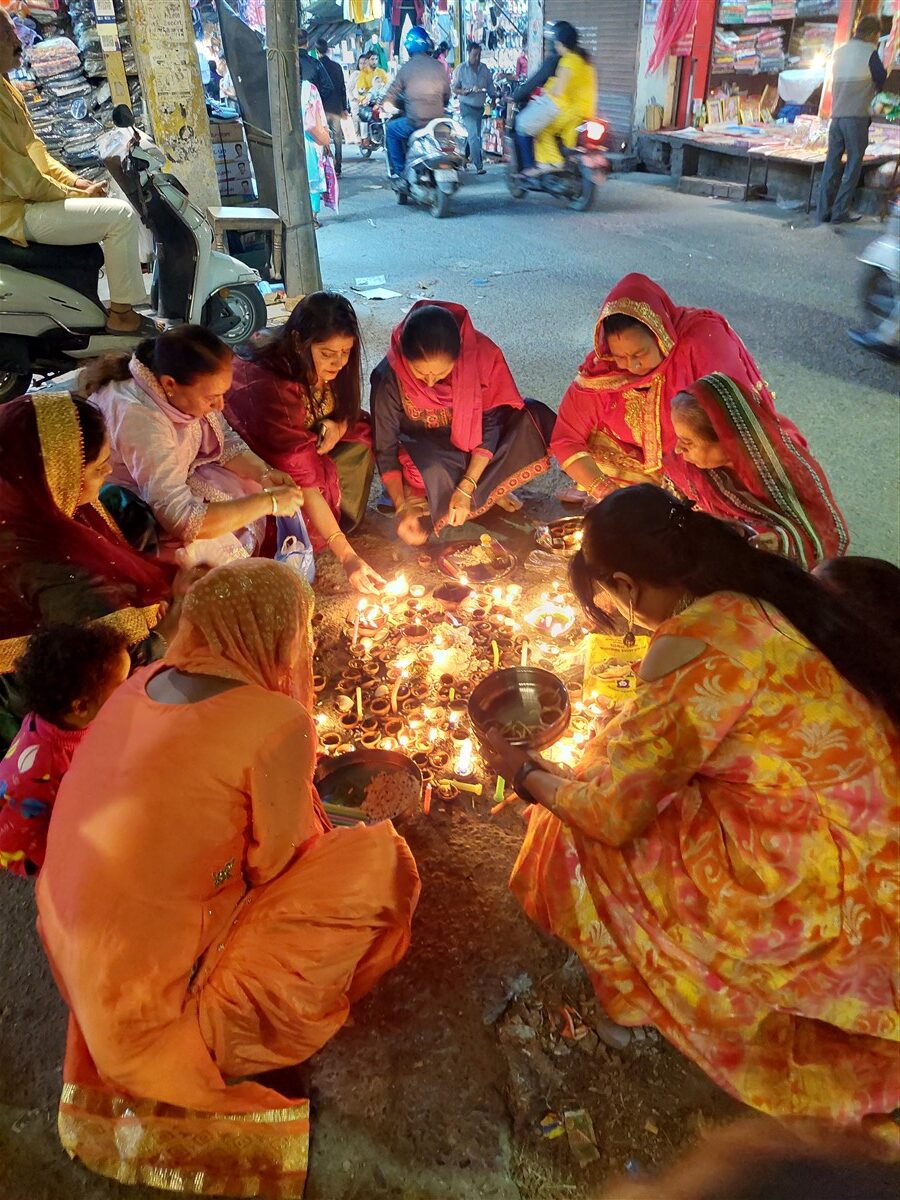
{"x": 48, "y": 166}
{"x": 22, "y": 169}
{"x": 271, "y": 414}
{"x": 662, "y": 739}
{"x": 281, "y": 798}
{"x": 232, "y": 442}
{"x": 575, "y": 423}
{"x": 145, "y": 442}
{"x": 491, "y": 428}
{"x": 387, "y": 413}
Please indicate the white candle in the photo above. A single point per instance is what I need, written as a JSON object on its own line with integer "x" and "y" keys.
{"x": 464, "y": 758}
{"x": 525, "y": 654}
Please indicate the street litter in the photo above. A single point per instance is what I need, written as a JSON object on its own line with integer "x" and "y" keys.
{"x": 377, "y": 293}
{"x": 580, "y": 1132}
{"x": 551, "y": 1126}
{"x": 369, "y": 281}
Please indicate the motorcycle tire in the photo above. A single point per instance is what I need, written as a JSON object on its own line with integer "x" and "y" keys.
{"x": 246, "y": 302}
{"x": 12, "y": 385}
{"x": 585, "y": 199}
{"x": 516, "y": 190}
{"x": 877, "y": 293}
{"x": 403, "y": 197}
{"x": 440, "y": 205}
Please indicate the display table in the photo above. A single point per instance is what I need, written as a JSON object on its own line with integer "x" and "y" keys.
{"x": 248, "y": 220}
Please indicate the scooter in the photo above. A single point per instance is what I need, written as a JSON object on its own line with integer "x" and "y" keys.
{"x": 434, "y": 158}
{"x": 584, "y": 168}
{"x": 51, "y": 318}
{"x": 879, "y": 290}
{"x": 371, "y": 126}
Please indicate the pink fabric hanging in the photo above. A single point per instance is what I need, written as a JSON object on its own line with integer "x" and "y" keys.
{"x": 674, "y": 24}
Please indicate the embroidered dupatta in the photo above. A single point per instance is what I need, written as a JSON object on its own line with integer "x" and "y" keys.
{"x": 42, "y": 526}
{"x": 480, "y": 380}
{"x": 623, "y": 421}
{"x": 773, "y": 482}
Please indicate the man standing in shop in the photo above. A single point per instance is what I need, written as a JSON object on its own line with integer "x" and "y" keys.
{"x": 336, "y": 108}
{"x": 473, "y": 83}
{"x": 857, "y": 73}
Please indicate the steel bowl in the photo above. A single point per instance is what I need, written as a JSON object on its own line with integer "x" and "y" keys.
{"x": 518, "y": 695}
{"x": 341, "y": 780}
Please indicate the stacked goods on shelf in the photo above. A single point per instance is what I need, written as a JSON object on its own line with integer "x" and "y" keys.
{"x": 723, "y": 51}
{"x": 783, "y": 10}
{"x": 759, "y": 11}
{"x": 818, "y": 8}
{"x": 746, "y": 59}
{"x": 732, "y": 12}
{"x": 234, "y": 170}
{"x": 812, "y": 42}
{"x": 770, "y": 46}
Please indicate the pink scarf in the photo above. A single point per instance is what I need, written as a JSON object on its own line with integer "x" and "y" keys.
{"x": 210, "y": 442}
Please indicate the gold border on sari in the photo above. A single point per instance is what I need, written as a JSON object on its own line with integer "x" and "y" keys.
{"x": 641, "y": 311}
{"x": 263, "y": 1153}
{"x": 62, "y": 448}
{"x": 134, "y": 624}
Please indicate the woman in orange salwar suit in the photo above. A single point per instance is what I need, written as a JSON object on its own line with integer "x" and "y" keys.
{"x": 202, "y": 919}
{"x": 725, "y": 860}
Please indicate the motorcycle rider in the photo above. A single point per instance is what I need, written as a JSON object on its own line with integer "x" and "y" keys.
{"x": 424, "y": 88}
{"x": 523, "y": 93}
{"x": 42, "y": 201}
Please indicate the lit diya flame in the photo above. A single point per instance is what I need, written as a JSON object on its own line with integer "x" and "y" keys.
{"x": 555, "y": 620}
{"x": 396, "y": 587}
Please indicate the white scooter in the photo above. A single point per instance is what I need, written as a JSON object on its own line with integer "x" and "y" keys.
{"x": 51, "y": 318}
{"x": 879, "y": 291}
{"x": 434, "y": 159}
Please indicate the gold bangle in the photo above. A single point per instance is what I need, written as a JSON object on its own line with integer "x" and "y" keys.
{"x": 337, "y": 533}
{"x": 268, "y": 492}
{"x": 468, "y": 495}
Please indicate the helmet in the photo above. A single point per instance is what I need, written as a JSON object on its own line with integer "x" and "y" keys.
{"x": 417, "y": 41}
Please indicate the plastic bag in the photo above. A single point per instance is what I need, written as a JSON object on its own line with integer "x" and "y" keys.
{"x": 537, "y": 115}
{"x": 294, "y": 547}
{"x": 331, "y": 195}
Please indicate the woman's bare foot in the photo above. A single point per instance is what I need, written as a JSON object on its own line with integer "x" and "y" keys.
{"x": 509, "y": 503}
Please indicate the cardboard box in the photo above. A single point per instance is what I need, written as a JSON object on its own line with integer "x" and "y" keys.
{"x": 227, "y": 131}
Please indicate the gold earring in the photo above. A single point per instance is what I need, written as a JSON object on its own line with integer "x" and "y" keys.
{"x": 629, "y": 638}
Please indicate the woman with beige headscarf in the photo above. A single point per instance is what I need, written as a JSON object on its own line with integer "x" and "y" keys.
{"x": 202, "y": 919}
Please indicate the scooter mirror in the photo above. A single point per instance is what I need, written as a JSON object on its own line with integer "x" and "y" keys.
{"x": 123, "y": 117}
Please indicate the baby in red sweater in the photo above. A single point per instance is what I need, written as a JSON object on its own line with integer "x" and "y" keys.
{"x": 65, "y": 676}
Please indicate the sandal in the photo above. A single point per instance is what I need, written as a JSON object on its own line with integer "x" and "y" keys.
{"x": 146, "y": 327}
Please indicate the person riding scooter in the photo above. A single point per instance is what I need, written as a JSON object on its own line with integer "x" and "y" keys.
{"x": 422, "y": 85}
{"x": 573, "y": 87}
{"x": 42, "y": 201}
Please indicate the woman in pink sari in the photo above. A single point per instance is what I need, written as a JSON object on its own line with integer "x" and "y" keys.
{"x": 614, "y": 425}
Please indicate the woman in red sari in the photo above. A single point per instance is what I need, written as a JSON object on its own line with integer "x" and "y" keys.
{"x": 742, "y": 462}
{"x": 614, "y": 425}
{"x": 63, "y": 559}
{"x": 296, "y": 402}
{"x": 453, "y": 435}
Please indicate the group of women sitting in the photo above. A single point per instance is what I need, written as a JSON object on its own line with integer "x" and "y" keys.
{"x": 723, "y": 860}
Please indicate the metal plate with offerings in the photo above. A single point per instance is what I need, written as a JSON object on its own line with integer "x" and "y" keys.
{"x": 368, "y": 785}
{"x": 560, "y": 537}
{"x": 478, "y": 562}
{"x": 526, "y": 706}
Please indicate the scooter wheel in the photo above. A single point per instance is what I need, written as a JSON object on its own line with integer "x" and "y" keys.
{"x": 366, "y": 151}
{"x": 585, "y": 199}
{"x": 403, "y": 197}
{"x": 13, "y": 385}
{"x": 515, "y": 187}
{"x": 440, "y": 205}
{"x": 245, "y": 302}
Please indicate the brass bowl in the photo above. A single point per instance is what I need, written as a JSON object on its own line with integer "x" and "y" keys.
{"x": 519, "y": 695}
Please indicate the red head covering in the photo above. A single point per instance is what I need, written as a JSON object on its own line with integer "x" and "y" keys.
{"x": 480, "y": 379}
{"x": 42, "y": 525}
{"x": 772, "y": 482}
{"x": 693, "y": 341}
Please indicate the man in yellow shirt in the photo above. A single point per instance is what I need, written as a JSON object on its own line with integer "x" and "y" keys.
{"x": 42, "y": 201}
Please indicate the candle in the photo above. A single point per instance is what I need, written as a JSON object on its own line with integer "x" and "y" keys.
{"x": 452, "y": 694}
{"x": 464, "y": 758}
{"x": 395, "y": 690}
{"x": 359, "y": 608}
{"x": 496, "y": 651}
{"x": 499, "y": 790}
{"x": 525, "y": 653}
{"x": 426, "y": 801}
{"x": 474, "y": 789}
{"x": 359, "y": 704}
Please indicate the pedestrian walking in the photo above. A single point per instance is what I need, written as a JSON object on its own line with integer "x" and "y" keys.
{"x": 336, "y": 106}
{"x": 857, "y": 74}
{"x": 473, "y": 83}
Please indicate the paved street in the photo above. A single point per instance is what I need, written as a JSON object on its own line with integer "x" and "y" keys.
{"x": 533, "y": 275}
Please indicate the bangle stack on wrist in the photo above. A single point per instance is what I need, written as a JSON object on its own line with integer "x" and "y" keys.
{"x": 466, "y": 479}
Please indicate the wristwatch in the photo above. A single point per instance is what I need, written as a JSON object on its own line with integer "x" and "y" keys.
{"x": 520, "y": 778}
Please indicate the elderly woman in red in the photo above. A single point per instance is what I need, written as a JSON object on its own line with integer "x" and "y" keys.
{"x": 614, "y": 425}
{"x": 296, "y": 402}
{"x": 453, "y": 435}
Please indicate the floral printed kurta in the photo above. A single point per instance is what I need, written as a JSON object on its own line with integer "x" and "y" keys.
{"x": 727, "y": 869}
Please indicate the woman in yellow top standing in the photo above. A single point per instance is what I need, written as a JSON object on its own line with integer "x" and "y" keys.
{"x": 574, "y": 88}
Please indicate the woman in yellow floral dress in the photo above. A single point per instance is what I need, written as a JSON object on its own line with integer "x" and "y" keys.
{"x": 725, "y": 860}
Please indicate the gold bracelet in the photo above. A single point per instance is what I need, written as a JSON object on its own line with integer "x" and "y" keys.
{"x": 268, "y": 492}
{"x": 468, "y": 495}
{"x": 337, "y": 533}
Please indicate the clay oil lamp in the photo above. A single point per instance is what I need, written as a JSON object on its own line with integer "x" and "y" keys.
{"x": 369, "y": 738}
{"x": 380, "y": 707}
{"x": 319, "y": 682}
{"x": 416, "y": 632}
{"x": 329, "y": 742}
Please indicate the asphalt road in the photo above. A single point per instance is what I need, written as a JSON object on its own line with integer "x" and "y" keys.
{"x": 534, "y": 274}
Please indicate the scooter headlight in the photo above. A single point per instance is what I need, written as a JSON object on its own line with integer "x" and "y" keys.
{"x": 445, "y": 136}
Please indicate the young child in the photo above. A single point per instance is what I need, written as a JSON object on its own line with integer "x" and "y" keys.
{"x": 64, "y": 677}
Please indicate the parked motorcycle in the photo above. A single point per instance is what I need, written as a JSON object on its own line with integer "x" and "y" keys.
{"x": 51, "y": 318}
{"x": 434, "y": 159}
{"x": 584, "y": 168}
{"x": 879, "y": 290}
{"x": 371, "y": 126}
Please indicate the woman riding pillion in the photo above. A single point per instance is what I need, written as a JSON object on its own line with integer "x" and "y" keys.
{"x": 573, "y": 89}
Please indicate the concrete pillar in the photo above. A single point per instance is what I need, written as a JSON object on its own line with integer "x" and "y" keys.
{"x": 163, "y": 39}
